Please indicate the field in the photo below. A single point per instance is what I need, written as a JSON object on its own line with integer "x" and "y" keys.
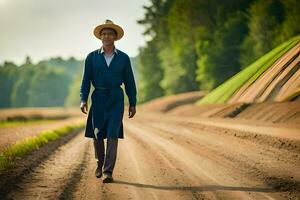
{"x": 172, "y": 149}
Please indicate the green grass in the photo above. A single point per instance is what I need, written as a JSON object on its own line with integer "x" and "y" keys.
{"x": 222, "y": 93}
{"x": 24, "y": 123}
{"x": 21, "y": 148}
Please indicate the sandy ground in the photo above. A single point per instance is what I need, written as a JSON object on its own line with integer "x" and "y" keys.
{"x": 166, "y": 157}
{"x": 283, "y": 114}
{"x": 167, "y": 103}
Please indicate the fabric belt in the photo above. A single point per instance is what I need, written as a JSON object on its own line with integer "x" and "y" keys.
{"x": 101, "y": 88}
{"x": 104, "y": 88}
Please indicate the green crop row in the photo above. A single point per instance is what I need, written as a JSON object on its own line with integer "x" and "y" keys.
{"x": 222, "y": 93}
{"x": 21, "y": 148}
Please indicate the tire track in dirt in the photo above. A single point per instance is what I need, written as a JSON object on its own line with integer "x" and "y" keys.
{"x": 243, "y": 151}
{"x": 276, "y": 167}
{"x": 194, "y": 174}
{"x": 23, "y": 167}
{"x": 89, "y": 187}
{"x": 157, "y": 177}
{"x": 56, "y": 177}
{"x": 141, "y": 172}
{"x": 208, "y": 163}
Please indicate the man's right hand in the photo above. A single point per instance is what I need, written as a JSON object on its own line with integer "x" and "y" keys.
{"x": 84, "y": 107}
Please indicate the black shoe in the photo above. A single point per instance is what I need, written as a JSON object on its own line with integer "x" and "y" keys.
{"x": 107, "y": 178}
{"x": 98, "y": 172}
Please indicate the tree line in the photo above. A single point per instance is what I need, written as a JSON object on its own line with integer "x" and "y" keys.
{"x": 198, "y": 44}
{"x": 47, "y": 83}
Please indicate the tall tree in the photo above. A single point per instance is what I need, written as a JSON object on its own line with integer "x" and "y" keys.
{"x": 19, "y": 95}
{"x": 150, "y": 73}
{"x": 178, "y": 53}
{"x": 290, "y": 24}
{"x": 219, "y": 55}
{"x": 48, "y": 88}
{"x": 8, "y": 77}
{"x": 265, "y": 17}
{"x": 73, "y": 98}
{"x": 149, "y": 63}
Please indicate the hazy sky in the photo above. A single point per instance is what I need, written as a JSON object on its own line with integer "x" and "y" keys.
{"x": 49, "y": 28}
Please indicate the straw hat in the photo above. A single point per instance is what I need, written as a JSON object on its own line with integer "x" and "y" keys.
{"x": 109, "y": 24}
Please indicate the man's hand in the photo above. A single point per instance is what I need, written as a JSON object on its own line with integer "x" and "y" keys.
{"x": 84, "y": 107}
{"x": 132, "y": 111}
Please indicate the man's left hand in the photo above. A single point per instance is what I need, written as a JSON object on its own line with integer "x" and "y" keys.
{"x": 132, "y": 111}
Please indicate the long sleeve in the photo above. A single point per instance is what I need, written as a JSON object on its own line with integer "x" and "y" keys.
{"x": 129, "y": 82}
{"x": 86, "y": 80}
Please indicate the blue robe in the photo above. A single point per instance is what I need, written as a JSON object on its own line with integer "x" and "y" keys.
{"x": 106, "y": 112}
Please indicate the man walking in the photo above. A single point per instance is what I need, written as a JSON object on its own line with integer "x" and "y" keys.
{"x": 107, "y": 69}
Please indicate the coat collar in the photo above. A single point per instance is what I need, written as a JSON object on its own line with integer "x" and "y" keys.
{"x": 101, "y": 50}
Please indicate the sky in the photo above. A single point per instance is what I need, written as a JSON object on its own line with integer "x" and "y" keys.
{"x": 43, "y": 29}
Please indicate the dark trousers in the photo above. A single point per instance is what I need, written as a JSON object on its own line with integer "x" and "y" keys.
{"x": 106, "y": 159}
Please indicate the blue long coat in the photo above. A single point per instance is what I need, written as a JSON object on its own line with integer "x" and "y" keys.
{"x": 106, "y": 112}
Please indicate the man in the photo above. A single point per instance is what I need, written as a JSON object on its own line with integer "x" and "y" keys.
{"x": 107, "y": 68}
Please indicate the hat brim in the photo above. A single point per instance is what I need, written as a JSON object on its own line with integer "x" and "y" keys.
{"x": 117, "y": 28}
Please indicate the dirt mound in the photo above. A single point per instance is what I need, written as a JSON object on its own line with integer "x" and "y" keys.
{"x": 167, "y": 103}
{"x": 271, "y": 112}
{"x": 287, "y": 113}
{"x": 279, "y": 83}
{"x": 193, "y": 110}
{"x": 276, "y": 112}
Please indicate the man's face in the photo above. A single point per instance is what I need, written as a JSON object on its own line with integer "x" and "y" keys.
{"x": 108, "y": 36}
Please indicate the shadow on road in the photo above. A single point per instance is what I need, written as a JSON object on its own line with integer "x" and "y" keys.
{"x": 197, "y": 188}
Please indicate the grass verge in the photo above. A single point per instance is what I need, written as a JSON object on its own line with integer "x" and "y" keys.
{"x": 9, "y": 156}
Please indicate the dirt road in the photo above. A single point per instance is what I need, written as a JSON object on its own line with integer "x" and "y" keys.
{"x": 164, "y": 158}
